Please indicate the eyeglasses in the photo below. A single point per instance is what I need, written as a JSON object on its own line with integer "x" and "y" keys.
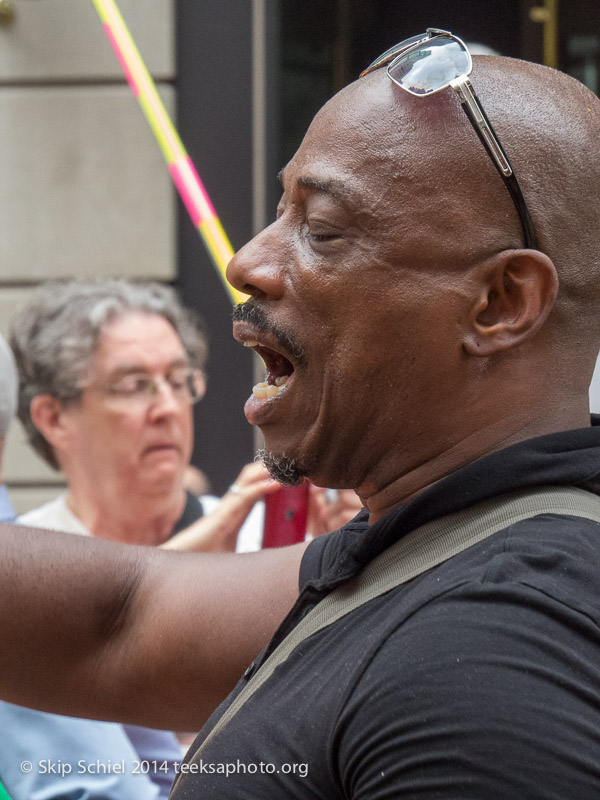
{"x": 436, "y": 60}
{"x": 186, "y": 384}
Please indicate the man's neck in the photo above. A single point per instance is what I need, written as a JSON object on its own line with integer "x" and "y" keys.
{"x": 147, "y": 521}
{"x": 481, "y": 442}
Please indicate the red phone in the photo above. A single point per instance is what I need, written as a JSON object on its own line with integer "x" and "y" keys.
{"x": 286, "y": 512}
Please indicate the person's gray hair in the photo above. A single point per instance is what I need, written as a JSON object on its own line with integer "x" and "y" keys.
{"x": 56, "y": 334}
{"x": 8, "y": 387}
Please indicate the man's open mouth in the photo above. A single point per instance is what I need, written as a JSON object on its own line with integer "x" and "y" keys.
{"x": 279, "y": 370}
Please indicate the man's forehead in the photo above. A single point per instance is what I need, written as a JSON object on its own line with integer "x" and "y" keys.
{"x": 147, "y": 335}
{"x": 363, "y": 127}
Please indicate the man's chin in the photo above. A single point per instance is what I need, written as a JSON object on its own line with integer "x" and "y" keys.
{"x": 287, "y": 471}
{"x": 166, "y": 476}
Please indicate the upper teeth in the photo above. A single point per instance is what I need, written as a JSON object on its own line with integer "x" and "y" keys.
{"x": 263, "y": 390}
{"x": 250, "y": 343}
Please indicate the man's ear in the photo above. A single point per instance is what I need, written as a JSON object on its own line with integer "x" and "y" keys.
{"x": 47, "y": 414}
{"x": 517, "y": 290}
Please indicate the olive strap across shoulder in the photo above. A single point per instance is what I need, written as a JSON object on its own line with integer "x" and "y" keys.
{"x": 418, "y": 551}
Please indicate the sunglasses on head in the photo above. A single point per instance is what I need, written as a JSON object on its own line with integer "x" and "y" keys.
{"x": 436, "y": 60}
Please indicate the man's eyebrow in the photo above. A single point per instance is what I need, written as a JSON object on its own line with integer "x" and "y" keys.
{"x": 337, "y": 189}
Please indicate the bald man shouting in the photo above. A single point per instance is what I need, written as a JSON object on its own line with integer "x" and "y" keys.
{"x": 427, "y": 307}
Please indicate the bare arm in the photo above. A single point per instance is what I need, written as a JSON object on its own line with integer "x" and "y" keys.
{"x": 93, "y": 628}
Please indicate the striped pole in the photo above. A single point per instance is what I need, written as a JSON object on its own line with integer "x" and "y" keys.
{"x": 183, "y": 173}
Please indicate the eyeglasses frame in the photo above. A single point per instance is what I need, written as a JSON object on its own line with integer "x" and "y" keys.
{"x": 192, "y": 374}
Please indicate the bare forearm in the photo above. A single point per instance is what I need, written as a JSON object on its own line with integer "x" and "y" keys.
{"x": 92, "y": 628}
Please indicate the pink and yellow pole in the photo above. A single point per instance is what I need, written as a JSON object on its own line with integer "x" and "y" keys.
{"x": 183, "y": 173}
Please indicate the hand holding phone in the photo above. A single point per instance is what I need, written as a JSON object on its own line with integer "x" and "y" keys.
{"x": 286, "y": 512}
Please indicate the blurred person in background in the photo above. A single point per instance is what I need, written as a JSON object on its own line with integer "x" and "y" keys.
{"x": 109, "y": 372}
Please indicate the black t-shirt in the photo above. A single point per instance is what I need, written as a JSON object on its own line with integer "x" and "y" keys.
{"x": 478, "y": 679}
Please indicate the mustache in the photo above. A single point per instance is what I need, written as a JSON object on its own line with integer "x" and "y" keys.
{"x": 253, "y": 313}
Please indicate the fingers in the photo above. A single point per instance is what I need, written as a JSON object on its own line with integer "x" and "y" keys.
{"x": 251, "y": 473}
{"x": 217, "y": 532}
{"x": 252, "y": 483}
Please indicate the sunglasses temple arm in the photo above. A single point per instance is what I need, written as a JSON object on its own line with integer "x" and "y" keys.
{"x": 490, "y": 141}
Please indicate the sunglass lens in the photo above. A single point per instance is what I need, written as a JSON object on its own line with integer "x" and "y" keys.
{"x": 390, "y": 54}
{"x": 430, "y": 66}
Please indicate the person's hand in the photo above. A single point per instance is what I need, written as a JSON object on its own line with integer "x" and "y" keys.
{"x": 217, "y": 532}
{"x": 329, "y": 509}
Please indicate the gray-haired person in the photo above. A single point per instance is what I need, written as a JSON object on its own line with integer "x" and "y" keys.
{"x": 8, "y": 404}
{"x": 109, "y": 371}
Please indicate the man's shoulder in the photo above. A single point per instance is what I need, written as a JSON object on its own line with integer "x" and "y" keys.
{"x": 488, "y": 657}
{"x": 539, "y": 574}
{"x": 551, "y": 556}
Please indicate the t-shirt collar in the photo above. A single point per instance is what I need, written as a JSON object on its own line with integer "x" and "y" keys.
{"x": 568, "y": 458}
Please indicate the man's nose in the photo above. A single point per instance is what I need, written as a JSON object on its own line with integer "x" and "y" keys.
{"x": 165, "y": 401}
{"x": 256, "y": 268}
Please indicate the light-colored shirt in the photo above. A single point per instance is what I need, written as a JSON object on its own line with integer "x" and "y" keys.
{"x": 50, "y": 757}
{"x": 7, "y": 512}
{"x": 55, "y": 516}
